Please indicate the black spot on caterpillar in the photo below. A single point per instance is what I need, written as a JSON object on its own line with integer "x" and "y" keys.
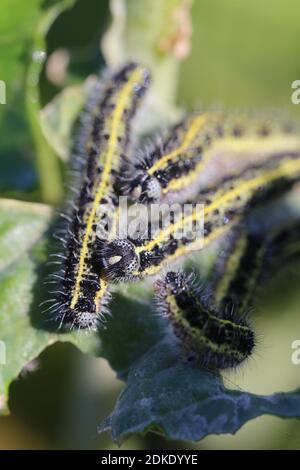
{"x": 216, "y": 341}
{"x": 180, "y": 164}
{"x": 215, "y": 329}
{"x": 82, "y": 292}
{"x": 224, "y": 206}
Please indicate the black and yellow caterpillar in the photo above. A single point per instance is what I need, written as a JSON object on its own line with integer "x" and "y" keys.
{"x": 223, "y": 206}
{"x": 225, "y": 164}
{"x": 82, "y": 292}
{"x": 214, "y": 325}
{"x": 190, "y": 158}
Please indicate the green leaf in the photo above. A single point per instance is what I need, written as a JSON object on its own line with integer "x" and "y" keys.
{"x": 166, "y": 395}
{"x": 59, "y": 116}
{"x": 21, "y": 227}
{"x": 132, "y": 329}
{"x": 16, "y": 20}
{"x": 23, "y": 27}
{"x": 163, "y": 393}
{"x": 22, "y": 254}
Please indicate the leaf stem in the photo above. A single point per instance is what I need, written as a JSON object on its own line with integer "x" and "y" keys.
{"x": 47, "y": 163}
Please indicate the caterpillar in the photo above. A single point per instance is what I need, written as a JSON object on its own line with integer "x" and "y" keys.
{"x": 82, "y": 292}
{"x": 224, "y": 206}
{"x": 215, "y": 329}
{"x": 249, "y": 258}
{"x": 189, "y": 156}
{"x": 217, "y": 341}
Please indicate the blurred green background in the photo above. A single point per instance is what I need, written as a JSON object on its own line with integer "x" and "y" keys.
{"x": 244, "y": 55}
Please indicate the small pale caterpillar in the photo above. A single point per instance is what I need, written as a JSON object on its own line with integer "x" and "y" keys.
{"x": 178, "y": 165}
{"x": 225, "y": 205}
{"x": 215, "y": 329}
{"x": 82, "y": 292}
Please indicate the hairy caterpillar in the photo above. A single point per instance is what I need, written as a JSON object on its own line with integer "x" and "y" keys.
{"x": 224, "y": 206}
{"x": 215, "y": 329}
{"x": 249, "y": 258}
{"x": 178, "y": 166}
{"x": 82, "y": 292}
{"x": 218, "y": 341}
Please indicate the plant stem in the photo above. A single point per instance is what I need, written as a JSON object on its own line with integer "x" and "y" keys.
{"x": 47, "y": 163}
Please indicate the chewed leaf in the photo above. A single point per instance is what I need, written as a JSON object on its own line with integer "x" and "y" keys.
{"x": 185, "y": 402}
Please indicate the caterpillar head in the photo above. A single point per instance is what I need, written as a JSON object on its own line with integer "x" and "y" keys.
{"x": 86, "y": 321}
{"x": 119, "y": 259}
{"x": 69, "y": 319}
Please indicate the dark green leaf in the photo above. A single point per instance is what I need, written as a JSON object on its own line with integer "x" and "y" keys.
{"x": 165, "y": 394}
